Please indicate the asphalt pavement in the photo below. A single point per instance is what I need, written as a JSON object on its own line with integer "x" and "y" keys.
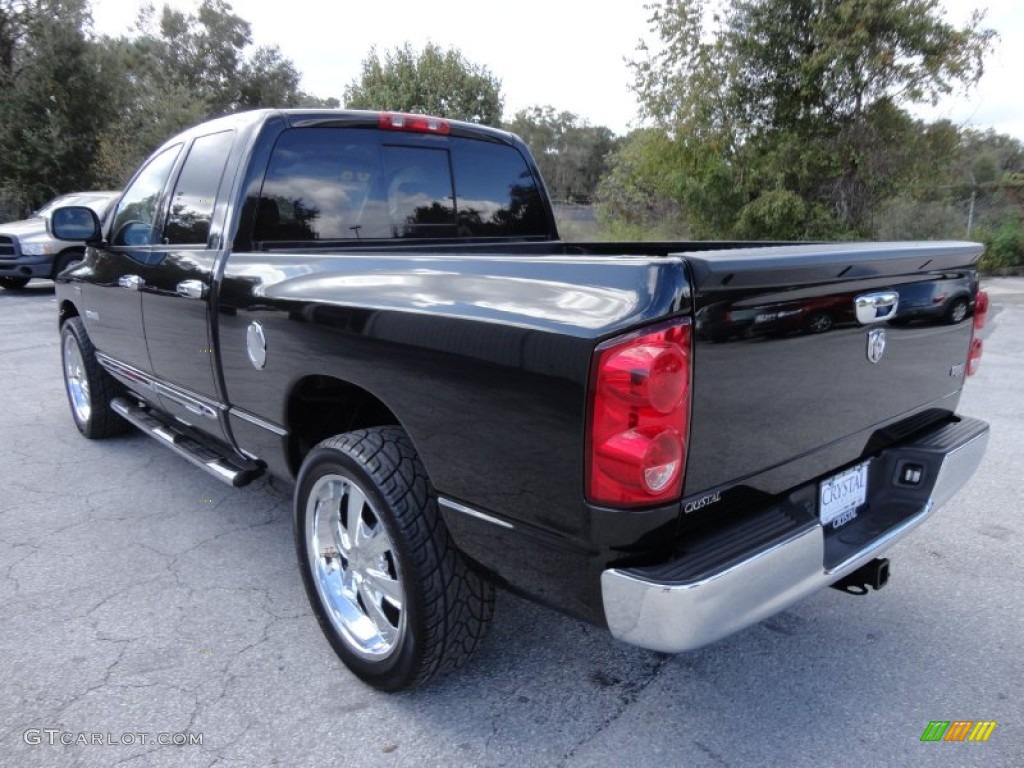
{"x": 142, "y": 601}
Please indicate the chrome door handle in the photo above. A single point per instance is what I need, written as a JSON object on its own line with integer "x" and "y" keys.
{"x": 876, "y": 307}
{"x": 192, "y": 289}
{"x": 131, "y": 282}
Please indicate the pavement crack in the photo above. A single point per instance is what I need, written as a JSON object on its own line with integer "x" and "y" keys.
{"x": 718, "y": 759}
{"x": 629, "y": 695}
{"x": 106, "y": 676}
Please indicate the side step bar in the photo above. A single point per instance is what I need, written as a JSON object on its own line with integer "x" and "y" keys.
{"x": 186, "y": 446}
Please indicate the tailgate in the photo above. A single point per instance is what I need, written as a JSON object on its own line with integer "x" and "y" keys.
{"x": 791, "y": 384}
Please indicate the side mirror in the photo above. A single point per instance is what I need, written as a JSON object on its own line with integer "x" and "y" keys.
{"x": 75, "y": 222}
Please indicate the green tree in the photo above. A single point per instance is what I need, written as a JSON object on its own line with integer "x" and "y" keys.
{"x": 571, "y": 153}
{"x": 181, "y": 68}
{"x": 211, "y": 53}
{"x": 53, "y": 102}
{"x": 800, "y": 102}
{"x": 639, "y": 197}
{"x": 434, "y": 82}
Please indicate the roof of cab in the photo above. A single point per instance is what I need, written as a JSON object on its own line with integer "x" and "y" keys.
{"x": 251, "y": 119}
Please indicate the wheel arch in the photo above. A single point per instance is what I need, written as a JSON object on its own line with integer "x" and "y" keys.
{"x": 66, "y": 311}
{"x": 322, "y": 406}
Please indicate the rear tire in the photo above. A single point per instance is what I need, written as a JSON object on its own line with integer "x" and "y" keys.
{"x": 957, "y": 311}
{"x": 13, "y": 283}
{"x": 89, "y": 388}
{"x": 395, "y": 599}
{"x": 819, "y": 322}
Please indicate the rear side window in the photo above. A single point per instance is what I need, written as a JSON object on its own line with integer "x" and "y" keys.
{"x": 362, "y": 184}
{"x": 498, "y": 196}
{"x": 188, "y": 221}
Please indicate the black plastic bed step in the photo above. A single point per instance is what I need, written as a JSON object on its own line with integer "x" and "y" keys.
{"x": 203, "y": 455}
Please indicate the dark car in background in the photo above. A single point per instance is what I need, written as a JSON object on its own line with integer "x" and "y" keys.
{"x": 27, "y": 250}
{"x": 949, "y": 299}
{"x": 744, "y": 320}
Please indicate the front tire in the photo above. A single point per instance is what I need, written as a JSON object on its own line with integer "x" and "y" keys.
{"x": 396, "y": 600}
{"x": 13, "y": 283}
{"x": 89, "y": 388}
{"x": 66, "y": 260}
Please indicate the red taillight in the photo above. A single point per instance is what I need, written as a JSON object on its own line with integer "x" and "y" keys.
{"x": 638, "y": 418}
{"x": 974, "y": 357}
{"x": 980, "y": 318}
{"x": 394, "y": 121}
{"x": 980, "y": 310}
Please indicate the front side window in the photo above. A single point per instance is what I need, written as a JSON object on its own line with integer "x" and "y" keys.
{"x": 360, "y": 184}
{"x": 134, "y": 222}
{"x": 188, "y": 221}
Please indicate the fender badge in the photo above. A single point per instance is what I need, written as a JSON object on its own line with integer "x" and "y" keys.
{"x": 704, "y": 501}
{"x": 876, "y": 344}
{"x": 256, "y": 345}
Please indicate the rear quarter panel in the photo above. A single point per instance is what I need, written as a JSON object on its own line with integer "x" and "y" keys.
{"x": 483, "y": 358}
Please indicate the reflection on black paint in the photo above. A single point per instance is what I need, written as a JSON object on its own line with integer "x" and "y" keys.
{"x": 739, "y": 320}
{"x": 947, "y": 299}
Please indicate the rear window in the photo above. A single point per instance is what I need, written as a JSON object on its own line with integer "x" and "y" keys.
{"x": 362, "y": 184}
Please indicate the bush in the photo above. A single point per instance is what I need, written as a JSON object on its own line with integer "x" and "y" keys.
{"x": 775, "y": 215}
{"x": 903, "y": 218}
{"x": 1004, "y": 245}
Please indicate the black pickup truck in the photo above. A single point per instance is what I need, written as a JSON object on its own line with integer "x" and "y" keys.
{"x": 376, "y": 307}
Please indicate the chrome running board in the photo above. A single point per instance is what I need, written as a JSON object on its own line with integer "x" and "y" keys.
{"x": 185, "y": 445}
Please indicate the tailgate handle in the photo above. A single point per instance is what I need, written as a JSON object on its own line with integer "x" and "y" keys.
{"x": 876, "y": 307}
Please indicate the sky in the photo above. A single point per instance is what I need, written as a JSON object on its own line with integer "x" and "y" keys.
{"x": 567, "y": 53}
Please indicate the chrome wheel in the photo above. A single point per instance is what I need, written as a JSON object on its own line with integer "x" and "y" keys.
{"x": 355, "y": 567}
{"x": 76, "y": 380}
{"x": 392, "y": 594}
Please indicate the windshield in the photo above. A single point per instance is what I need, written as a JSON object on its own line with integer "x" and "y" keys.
{"x": 98, "y": 202}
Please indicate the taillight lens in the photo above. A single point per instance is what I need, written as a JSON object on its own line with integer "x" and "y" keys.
{"x": 980, "y": 318}
{"x": 980, "y": 310}
{"x": 974, "y": 357}
{"x": 394, "y": 121}
{"x": 638, "y": 417}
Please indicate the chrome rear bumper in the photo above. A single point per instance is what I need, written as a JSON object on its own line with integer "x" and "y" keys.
{"x": 679, "y": 616}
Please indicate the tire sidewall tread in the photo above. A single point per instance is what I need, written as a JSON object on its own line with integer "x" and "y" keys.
{"x": 103, "y": 420}
{"x": 448, "y": 605}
